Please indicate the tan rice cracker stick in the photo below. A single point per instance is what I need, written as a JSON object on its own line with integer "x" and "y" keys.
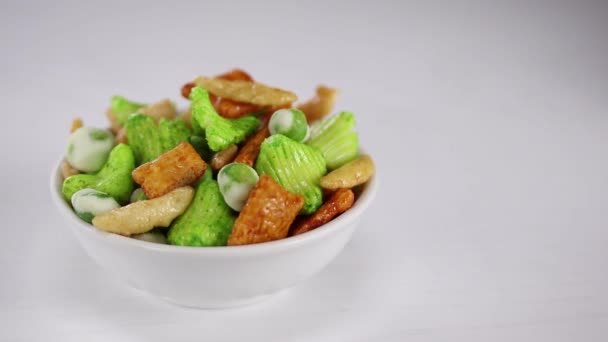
{"x": 267, "y": 215}
{"x": 251, "y": 149}
{"x": 143, "y": 216}
{"x": 224, "y": 157}
{"x": 173, "y": 169}
{"x": 339, "y": 202}
{"x": 246, "y": 91}
{"x": 350, "y": 174}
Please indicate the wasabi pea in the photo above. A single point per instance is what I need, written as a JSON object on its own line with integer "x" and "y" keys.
{"x": 219, "y": 132}
{"x": 88, "y": 203}
{"x": 138, "y": 195}
{"x": 88, "y": 148}
{"x": 207, "y": 221}
{"x": 296, "y": 166}
{"x": 123, "y": 108}
{"x": 289, "y": 122}
{"x": 335, "y": 138}
{"x": 236, "y": 180}
{"x": 113, "y": 179}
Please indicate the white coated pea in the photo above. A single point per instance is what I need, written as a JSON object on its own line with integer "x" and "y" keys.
{"x": 291, "y": 123}
{"x": 236, "y": 180}
{"x": 152, "y": 236}
{"x": 138, "y": 195}
{"x": 88, "y": 203}
{"x": 89, "y": 148}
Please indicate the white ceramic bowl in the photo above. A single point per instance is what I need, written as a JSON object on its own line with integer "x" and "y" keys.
{"x": 214, "y": 277}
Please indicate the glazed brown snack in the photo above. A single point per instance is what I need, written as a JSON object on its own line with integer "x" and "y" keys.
{"x": 246, "y": 91}
{"x": 221, "y": 158}
{"x": 143, "y": 216}
{"x": 173, "y": 169}
{"x": 320, "y": 105}
{"x": 339, "y": 202}
{"x": 267, "y": 215}
{"x": 251, "y": 149}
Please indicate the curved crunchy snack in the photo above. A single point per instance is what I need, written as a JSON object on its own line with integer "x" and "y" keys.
{"x": 250, "y": 151}
{"x": 246, "y": 91}
{"x": 321, "y": 104}
{"x": 339, "y": 202}
{"x": 162, "y": 109}
{"x": 350, "y": 174}
{"x": 143, "y": 216}
{"x": 121, "y": 136}
{"x": 76, "y": 124}
{"x": 267, "y": 215}
{"x": 223, "y": 157}
{"x": 115, "y": 125}
{"x": 68, "y": 170}
{"x": 173, "y": 169}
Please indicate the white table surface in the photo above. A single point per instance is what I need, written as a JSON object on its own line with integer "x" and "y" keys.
{"x": 488, "y": 123}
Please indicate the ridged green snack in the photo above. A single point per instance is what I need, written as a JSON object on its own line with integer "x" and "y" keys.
{"x": 114, "y": 178}
{"x": 219, "y": 132}
{"x": 335, "y": 138}
{"x": 123, "y": 108}
{"x": 296, "y": 166}
{"x": 208, "y": 220}
{"x": 149, "y": 140}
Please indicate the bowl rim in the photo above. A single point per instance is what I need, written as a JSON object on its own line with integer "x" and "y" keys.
{"x": 362, "y": 202}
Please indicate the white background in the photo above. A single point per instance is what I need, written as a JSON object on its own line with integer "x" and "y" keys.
{"x": 488, "y": 124}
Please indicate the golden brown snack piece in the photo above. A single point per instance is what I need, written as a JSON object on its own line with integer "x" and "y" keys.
{"x": 251, "y": 149}
{"x": 143, "y": 216}
{"x": 236, "y": 74}
{"x": 320, "y": 105}
{"x": 115, "y": 125}
{"x": 223, "y": 157}
{"x": 339, "y": 202}
{"x": 350, "y": 174}
{"x": 186, "y": 89}
{"x": 161, "y": 109}
{"x": 267, "y": 215}
{"x": 246, "y": 91}
{"x": 121, "y": 136}
{"x": 68, "y": 170}
{"x": 76, "y": 124}
{"x": 173, "y": 169}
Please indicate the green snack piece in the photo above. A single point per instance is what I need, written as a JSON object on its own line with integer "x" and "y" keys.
{"x": 149, "y": 140}
{"x": 88, "y": 203}
{"x": 236, "y": 180}
{"x": 113, "y": 179}
{"x": 144, "y": 138}
{"x": 172, "y": 133}
{"x": 122, "y": 108}
{"x": 296, "y": 166}
{"x": 219, "y": 132}
{"x": 138, "y": 195}
{"x": 208, "y": 220}
{"x": 88, "y": 148}
{"x": 289, "y": 122}
{"x": 336, "y": 140}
